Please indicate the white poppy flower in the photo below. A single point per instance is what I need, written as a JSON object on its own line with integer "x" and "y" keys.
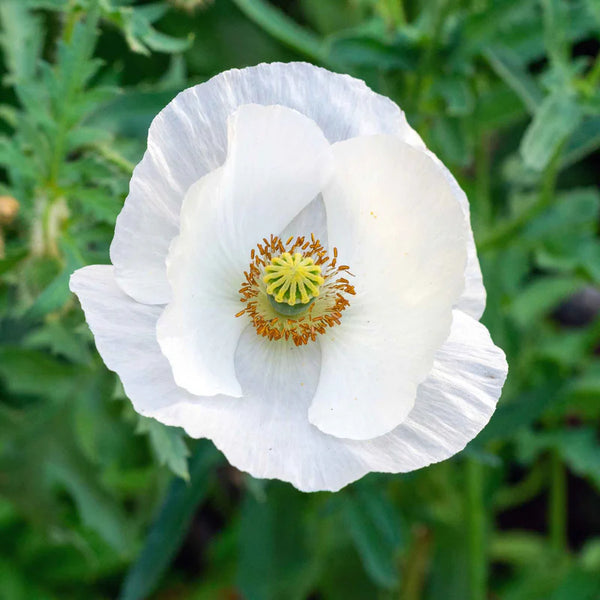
{"x": 295, "y": 278}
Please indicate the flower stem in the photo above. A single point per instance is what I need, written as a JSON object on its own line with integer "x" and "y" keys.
{"x": 415, "y": 572}
{"x": 557, "y": 506}
{"x": 475, "y": 521}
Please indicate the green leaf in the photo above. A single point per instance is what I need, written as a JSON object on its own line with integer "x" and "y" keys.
{"x": 60, "y": 340}
{"x": 368, "y": 51}
{"x": 12, "y": 260}
{"x": 275, "y": 560}
{"x": 449, "y": 139}
{"x": 21, "y": 39}
{"x": 511, "y": 417}
{"x": 574, "y": 212}
{"x": 97, "y": 509}
{"x": 33, "y": 372}
{"x": 131, "y": 113}
{"x": 555, "y": 119}
{"x": 494, "y": 21}
{"x": 511, "y": 71}
{"x": 171, "y": 523}
{"x": 499, "y": 107}
{"x": 556, "y": 20}
{"x": 584, "y": 140}
{"x": 169, "y": 445}
{"x": 449, "y": 565}
{"x": 541, "y": 296}
{"x": 456, "y": 92}
{"x": 280, "y": 26}
{"x": 377, "y": 531}
{"x": 57, "y": 293}
{"x": 578, "y": 584}
{"x": 578, "y": 448}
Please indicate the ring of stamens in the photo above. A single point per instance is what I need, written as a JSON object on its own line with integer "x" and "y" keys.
{"x": 294, "y": 290}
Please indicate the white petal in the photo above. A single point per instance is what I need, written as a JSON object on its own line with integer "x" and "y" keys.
{"x": 268, "y": 434}
{"x": 393, "y": 216}
{"x": 125, "y": 335}
{"x": 312, "y": 219}
{"x": 278, "y": 160}
{"x": 453, "y": 404}
{"x": 198, "y": 331}
{"x": 277, "y": 163}
{"x": 188, "y": 138}
{"x": 265, "y": 433}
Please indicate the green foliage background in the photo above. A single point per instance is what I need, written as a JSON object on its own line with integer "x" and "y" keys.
{"x": 96, "y": 503}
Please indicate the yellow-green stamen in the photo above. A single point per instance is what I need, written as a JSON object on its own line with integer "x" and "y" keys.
{"x": 293, "y": 279}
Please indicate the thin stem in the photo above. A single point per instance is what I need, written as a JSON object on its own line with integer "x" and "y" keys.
{"x": 475, "y": 518}
{"x": 557, "y": 506}
{"x": 115, "y": 158}
{"x": 415, "y": 571}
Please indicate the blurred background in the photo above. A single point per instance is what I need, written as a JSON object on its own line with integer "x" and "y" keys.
{"x": 98, "y": 503}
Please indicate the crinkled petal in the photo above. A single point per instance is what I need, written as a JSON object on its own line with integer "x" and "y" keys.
{"x": 125, "y": 335}
{"x": 453, "y": 404}
{"x": 394, "y": 219}
{"x": 267, "y": 434}
{"x": 188, "y": 139}
{"x": 278, "y": 161}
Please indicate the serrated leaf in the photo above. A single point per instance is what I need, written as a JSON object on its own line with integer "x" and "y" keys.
{"x": 21, "y": 39}
{"x": 61, "y": 341}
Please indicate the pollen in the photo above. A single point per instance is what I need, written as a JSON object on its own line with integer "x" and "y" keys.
{"x": 294, "y": 289}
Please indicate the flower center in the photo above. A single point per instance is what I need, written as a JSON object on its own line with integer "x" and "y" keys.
{"x": 293, "y": 282}
{"x": 294, "y": 290}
